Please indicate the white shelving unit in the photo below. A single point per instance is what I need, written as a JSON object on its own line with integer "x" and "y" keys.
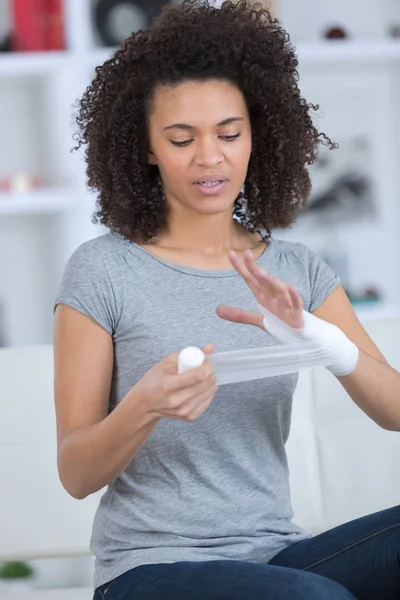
{"x": 37, "y": 92}
{"x": 41, "y": 201}
{"x": 43, "y": 64}
{"x": 34, "y": 64}
{"x": 344, "y": 52}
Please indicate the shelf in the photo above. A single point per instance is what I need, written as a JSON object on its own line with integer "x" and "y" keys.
{"x": 33, "y": 64}
{"x": 44, "y": 201}
{"x": 309, "y": 53}
{"x": 15, "y": 64}
{"x": 327, "y": 51}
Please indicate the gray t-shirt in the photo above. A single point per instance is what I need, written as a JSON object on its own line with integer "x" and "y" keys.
{"x": 212, "y": 489}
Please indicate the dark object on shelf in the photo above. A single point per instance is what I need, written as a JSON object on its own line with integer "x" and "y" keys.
{"x": 395, "y": 31}
{"x": 346, "y": 198}
{"x": 372, "y": 293}
{"x": 144, "y": 11}
{"x": 342, "y": 185}
{"x": 335, "y": 33}
{"x": 6, "y": 43}
{"x": 366, "y": 297}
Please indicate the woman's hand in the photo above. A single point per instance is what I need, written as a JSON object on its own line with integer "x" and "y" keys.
{"x": 281, "y": 300}
{"x": 185, "y": 396}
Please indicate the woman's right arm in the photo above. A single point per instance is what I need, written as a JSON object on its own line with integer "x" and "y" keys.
{"x": 94, "y": 447}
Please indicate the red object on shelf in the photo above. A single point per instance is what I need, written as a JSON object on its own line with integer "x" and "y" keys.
{"x": 20, "y": 181}
{"x": 54, "y": 34}
{"x": 38, "y": 25}
{"x": 28, "y": 20}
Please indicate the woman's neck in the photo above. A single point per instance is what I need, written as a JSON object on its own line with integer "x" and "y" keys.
{"x": 212, "y": 238}
{"x": 202, "y": 250}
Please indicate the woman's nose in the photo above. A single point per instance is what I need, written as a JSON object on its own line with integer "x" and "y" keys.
{"x": 208, "y": 153}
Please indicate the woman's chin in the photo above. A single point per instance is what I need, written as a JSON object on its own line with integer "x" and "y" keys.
{"x": 213, "y": 208}
{"x": 216, "y": 204}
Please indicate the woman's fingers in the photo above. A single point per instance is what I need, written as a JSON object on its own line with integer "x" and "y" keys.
{"x": 266, "y": 282}
{"x": 237, "y": 315}
{"x": 252, "y": 266}
{"x": 278, "y": 288}
{"x": 254, "y": 275}
{"x": 242, "y": 269}
{"x": 270, "y": 292}
{"x": 297, "y": 300}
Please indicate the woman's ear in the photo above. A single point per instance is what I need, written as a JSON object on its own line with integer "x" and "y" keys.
{"x": 151, "y": 158}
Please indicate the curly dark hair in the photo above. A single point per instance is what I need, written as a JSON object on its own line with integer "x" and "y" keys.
{"x": 239, "y": 42}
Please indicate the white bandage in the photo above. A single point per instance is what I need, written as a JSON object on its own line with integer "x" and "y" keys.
{"x": 317, "y": 344}
{"x": 342, "y": 355}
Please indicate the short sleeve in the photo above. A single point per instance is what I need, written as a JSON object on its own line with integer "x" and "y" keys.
{"x": 323, "y": 280}
{"x": 86, "y": 286}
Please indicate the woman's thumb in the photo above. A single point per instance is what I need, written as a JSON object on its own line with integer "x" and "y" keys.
{"x": 209, "y": 349}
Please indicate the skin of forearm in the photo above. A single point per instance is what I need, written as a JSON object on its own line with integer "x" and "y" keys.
{"x": 375, "y": 387}
{"x": 91, "y": 457}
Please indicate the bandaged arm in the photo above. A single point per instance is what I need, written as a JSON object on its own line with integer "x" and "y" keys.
{"x": 317, "y": 343}
{"x": 340, "y": 352}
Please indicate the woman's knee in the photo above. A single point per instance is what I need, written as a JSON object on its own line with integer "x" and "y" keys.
{"x": 317, "y": 587}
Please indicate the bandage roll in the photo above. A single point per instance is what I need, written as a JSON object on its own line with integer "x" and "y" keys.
{"x": 190, "y": 358}
{"x": 258, "y": 363}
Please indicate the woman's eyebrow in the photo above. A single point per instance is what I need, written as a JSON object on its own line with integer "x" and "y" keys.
{"x": 186, "y": 127}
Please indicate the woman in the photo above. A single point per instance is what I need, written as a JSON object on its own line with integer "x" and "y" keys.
{"x": 197, "y": 142}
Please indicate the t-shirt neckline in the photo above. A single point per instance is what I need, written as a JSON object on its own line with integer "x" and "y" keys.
{"x": 201, "y": 272}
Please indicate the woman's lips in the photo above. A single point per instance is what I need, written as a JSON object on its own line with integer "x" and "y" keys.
{"x": 211, "y": 188}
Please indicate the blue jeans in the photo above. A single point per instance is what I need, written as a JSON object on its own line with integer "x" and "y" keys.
{"x": 360, "y": 559}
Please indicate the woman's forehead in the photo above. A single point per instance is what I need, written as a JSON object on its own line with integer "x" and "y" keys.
{"x": 212, "y": 100}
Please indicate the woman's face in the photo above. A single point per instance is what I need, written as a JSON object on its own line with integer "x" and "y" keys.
{"x": 200, "y": 138}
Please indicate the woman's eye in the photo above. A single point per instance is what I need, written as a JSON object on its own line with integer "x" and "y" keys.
{"x": 225, "y": 138}
{"x": 230, "y": 138}
{"x": 181, "y": 144}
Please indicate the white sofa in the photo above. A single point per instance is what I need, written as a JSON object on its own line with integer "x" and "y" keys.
{"x": 342, "y": 465}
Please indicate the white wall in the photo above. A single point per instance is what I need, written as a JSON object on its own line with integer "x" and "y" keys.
{"x": 362, "y": 104}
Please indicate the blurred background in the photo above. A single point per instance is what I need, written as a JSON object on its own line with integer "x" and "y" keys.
{"x": 349, "y": 64}
{"x": 349, "y": 53}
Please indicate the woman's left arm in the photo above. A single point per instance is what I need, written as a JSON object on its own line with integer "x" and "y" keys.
{"x": 374, "y": 385}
